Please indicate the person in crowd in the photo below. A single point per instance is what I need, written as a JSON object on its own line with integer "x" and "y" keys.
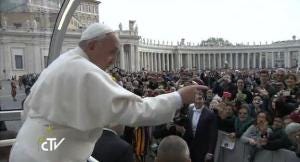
{"x": 291, "y": 89}
{"x": 201, "y": 130}
{"x": 13, "y": 86}
{"x": 278, "y": 139}
{"x": 75, "y": 98}
{"x": 225, "y": 117}
{"x": 213, "y": 105}
{"x": 293, "y": 132}
{"x": 265, "y": 88}
{"x": 224, "y": 85}
{"x": 283, "y": 107}
{"x": 111, "y": 148}
{"x": 256, "y": 135}
{"x": 173, "y": 149}
{"x": 241, "y": 94}
{"x": 242, "y": 122}
{"x": 209, "y": 96}
{"x": 280, "y": 75}
{"x": 256, "y": 106}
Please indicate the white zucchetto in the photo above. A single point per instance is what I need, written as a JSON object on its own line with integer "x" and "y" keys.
{"x": 95, "y": 30}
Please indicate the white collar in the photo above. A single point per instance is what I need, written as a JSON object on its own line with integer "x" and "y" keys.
{"x": 198, "y": 110}
{"x": 82, "y": 53}
{"x": 107, "y": 129}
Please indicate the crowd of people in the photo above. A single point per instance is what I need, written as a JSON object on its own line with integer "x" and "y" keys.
{"x": 252, "y": 105}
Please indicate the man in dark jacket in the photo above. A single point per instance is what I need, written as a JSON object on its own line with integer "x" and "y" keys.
{"x": 111, "y": 148}
{"x": 201, "y": 131}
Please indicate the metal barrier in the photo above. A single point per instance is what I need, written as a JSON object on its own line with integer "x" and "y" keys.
{"x": 7, "y": 142}
{"x": 241, "y": 151}
{"x": 10, "y": 115}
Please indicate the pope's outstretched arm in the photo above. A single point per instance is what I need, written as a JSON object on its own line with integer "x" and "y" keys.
{"x": 127, "y": 108}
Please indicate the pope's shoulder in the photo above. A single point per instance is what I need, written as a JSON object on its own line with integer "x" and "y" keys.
{"x": 74, "y": 60}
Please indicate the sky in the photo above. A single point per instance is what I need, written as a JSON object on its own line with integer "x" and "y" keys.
{"x": 239, "y": 21}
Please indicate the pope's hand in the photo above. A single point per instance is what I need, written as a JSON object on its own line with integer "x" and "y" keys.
{"x": 188, "y": 93}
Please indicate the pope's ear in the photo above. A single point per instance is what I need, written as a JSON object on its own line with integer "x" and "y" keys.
{"x": 92, "y": 44}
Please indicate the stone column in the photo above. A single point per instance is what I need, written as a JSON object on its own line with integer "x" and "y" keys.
{"x": 242, "y": 61}
{"x": 176, "y": 61}
{"x": 231, "y": 60}
{"x": 260, "y": 60}
{"x": 168, "y": 61}
{"x": 220, "y": 61}
{"x": 248, "y": 60}
{"x": 163, "y": 62}
{"x": 150, "y": 61}
{"x": 132, "y": 58}
{"x": 147, "y": 66}
{"x": 214, "y": 60}
{"x": 122, "y": 57}
{"x": 204, "y": 60}
{"x": 199, "y": 62}
{"x": 188, "y": 60}
{"x": 172, "y": 62}
{"x": 267, "y": 59}
{"x": 287, "y": 59}
{"x": 154, "y": 62}
{"x": 158, "y": 61}
{"x": 236, "y": 61}
{"x": 209, "y": 63}
{"x": 272, "y": 59}
{"x": 142, "y": 60}
{"x": 254, "y": 60}
{"x": 137, "y": 59}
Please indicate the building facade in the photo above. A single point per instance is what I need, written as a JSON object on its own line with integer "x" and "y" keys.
{"x": 25, "y": 37}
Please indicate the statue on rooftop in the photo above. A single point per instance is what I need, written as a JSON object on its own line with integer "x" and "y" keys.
{"x": 120, "y": 27}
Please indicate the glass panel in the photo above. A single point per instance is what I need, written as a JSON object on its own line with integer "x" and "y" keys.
{"x": 82, "y": 17}
{"x": 26, "y": 24}
{"x": 25, "y": 30}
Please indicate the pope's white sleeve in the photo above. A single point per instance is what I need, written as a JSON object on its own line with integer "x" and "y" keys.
{"x": 111, "y": 103}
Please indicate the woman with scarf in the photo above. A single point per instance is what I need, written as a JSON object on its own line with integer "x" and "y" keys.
{"x": 242, "y": 122}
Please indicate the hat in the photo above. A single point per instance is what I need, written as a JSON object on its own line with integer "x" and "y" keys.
{"x": 95, "y": 30}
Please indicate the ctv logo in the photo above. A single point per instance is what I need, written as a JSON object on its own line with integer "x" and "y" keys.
{"x": 51, "y": 144}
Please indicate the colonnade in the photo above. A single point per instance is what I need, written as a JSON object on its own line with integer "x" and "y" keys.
{"x": 134, "y": 58}
{"x": 156, "y": 61}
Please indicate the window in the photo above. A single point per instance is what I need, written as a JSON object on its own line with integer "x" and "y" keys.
{"x": 19, "y": 61}
{"x": 18, "y": 25}
{"x": 17, "y": 58}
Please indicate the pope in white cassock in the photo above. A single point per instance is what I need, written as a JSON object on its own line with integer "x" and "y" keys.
{"x": 74, "y": 98}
